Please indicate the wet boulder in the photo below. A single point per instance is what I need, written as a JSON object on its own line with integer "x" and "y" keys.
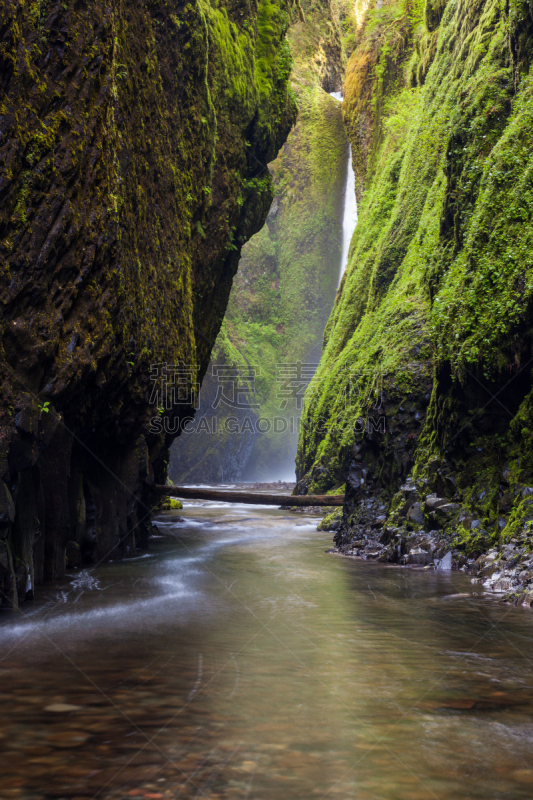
{"x": 527, "y": 598}
{"x": 487, "y": 564}
{"x": 419, "y": 556}
{"x": 433, "y": 502}
{"x": 403, "y": 500}
{"x": 449, "y": 509}
{"x": 356, "y": 476}
{"x": 445, "y": 563}
{"x": 415, "y": 514}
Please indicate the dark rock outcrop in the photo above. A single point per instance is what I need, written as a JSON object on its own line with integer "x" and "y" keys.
{"x": 134, "y": 139}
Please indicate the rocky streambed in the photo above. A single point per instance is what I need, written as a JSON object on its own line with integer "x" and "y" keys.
{"x": 430, "y": 533}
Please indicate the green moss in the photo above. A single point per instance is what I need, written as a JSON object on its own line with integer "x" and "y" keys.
{"x": 433, "y": 11}
{"x": 139, "y": 55}
{"x": 440, "y": 266}
{"x": 330, "y": 520}
{"x": 170, "y": 504}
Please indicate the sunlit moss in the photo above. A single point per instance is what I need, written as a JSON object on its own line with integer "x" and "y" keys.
{"x": 440, "y": 268}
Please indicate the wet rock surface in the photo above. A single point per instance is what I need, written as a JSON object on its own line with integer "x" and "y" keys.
{"x": 422, "y": 337}
{"x": 405, "y": 531}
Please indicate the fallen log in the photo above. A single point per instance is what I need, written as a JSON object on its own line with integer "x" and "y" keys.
{"x": 252, "y": 498}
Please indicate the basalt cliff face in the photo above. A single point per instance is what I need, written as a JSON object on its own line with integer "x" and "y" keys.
{"x": 423, "y": 401}
{"x": 133, "y": 139}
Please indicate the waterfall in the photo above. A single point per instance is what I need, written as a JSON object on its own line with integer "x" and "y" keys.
{"x": 349, "y": 219}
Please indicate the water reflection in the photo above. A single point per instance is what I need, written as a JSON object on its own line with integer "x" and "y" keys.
{"x": 238, "y": 660}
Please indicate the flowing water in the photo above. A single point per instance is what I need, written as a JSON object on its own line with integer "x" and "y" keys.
{"x": 349, "y": 217}
{"x": 237, "y": 660}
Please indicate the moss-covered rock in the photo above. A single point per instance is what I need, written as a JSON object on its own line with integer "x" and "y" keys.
{"x": 131, "y": 140}
{"x": 170, "y": 504}
{"x": 436, "y": 302}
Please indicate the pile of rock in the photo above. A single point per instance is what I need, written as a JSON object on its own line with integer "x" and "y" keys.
{"x": 507, "y": 570}
{"x": 427, "y": 531}
{"x": 417, "y": 532}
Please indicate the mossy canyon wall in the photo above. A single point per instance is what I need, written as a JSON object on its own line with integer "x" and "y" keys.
{"x": 424, "y": 400}
{"x": 131, "y": 135}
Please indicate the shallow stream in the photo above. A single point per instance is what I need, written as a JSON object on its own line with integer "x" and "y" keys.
{"x": 238, "y": 661}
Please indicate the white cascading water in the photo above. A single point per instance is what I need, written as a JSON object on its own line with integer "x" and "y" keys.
{"x": 349, "y": 219}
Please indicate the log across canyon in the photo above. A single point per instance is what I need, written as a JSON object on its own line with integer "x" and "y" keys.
{"x": 251, "y": 498}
